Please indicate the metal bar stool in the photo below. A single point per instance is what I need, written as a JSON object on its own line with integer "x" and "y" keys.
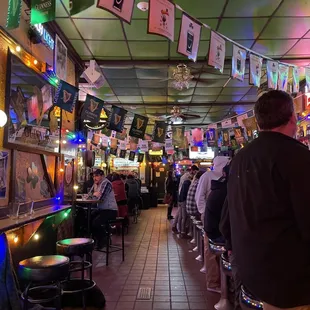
{"x": 248, "y": 301}
{"x": 224, "y": 303}
{"x": 193, "y": 241}
{"x": 197, "y": 234}
{"x": 83, "y": 248}
{"x": 44, "y": 275}
{"x": 109, "y": 248}
{"x": 190, "y": 232}
{"x": 199, "y": 245}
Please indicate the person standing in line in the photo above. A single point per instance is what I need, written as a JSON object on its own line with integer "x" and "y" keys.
{"x": 268, "y": 203}
{"x": 211, "y": 266}
{"x": 191, "y": 206}
{"x": 169, "y": 193}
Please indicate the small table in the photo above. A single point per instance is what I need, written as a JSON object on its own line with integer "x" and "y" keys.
{"x": 87, "y": 203}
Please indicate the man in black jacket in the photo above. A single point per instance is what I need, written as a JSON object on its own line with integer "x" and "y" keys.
{"x": 268, "y": 201}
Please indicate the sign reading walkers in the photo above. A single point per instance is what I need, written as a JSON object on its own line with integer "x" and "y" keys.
{"x": 42, "y": 11}
{"x": 66, "y": 96}
{"x": 92, "y": 109}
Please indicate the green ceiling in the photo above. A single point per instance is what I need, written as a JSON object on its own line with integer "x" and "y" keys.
{"x": 138, "y": 65}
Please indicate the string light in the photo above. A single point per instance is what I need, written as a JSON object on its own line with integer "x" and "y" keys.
{"x": 36, "y": 237}
{"x": 61, "y": 170}
{"x": 18, "y": 48}
{"x": 35, "y": 62}
{"x": 15, "y": 239}
{"x": 64, "y": 141}
{"x": 75, "y": 187}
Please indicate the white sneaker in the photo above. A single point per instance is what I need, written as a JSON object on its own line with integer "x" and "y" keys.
{"x": 203, "y": 270}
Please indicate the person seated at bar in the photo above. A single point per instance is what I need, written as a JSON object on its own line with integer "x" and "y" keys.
{"x": 133, "y": 192}
{"x": 120, "y": 194}
{"x": 106, "y": 208}
{"x": 88, "y": 184}
{"x": 191, "y": 206}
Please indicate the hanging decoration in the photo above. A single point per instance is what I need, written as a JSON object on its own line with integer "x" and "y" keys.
{"x": 66, "y": 96}
{"x": 140, "y": 158}
{"x": 138, "y": 126}
{"x": 14, "y": 13}
{"x": 283, "y": 77}
{"x": 78, "y": 6}
{"x": 122, "y": 145}
{"x": 250, "y": 125}
{"x": 161, "y": 18}
{"x": 217, "y": 52}
{"x": 178, "y": 136}
{"x": 256, "y": 64}
{"x": 93, "y": 75}
{"x": 116, "y": 119}
{"x": 168, "y": 145}
{"x": 272, "y": 74}
{"x": 239, "y": 137}
{"x": 107, "y": 132}
{"x": 120, "y": 8}
{"x": 189, "y": 37}
{"x": 211, "y": 137}
{"x": 159, "y": 132}
{"x": 60, "y": 59}
{"x": 42, "y": 11}
{"x": 295, "y": 79}
{"x": 132, "y": 155}
{"x": 122, "y": 153}
{"x": 307, "y": 74}
{"x": 113, "y": 151}
{"x": 121, "y": 135}
{"x": 144, "y": 146}
{"x": 92, "y": 109}
{"x": 238, "y": 63}
{"x": 226, "y": 137}
{"x": 197, "y": 137}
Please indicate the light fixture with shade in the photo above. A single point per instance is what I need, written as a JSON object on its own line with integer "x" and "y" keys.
{"x": 3, "y": 118}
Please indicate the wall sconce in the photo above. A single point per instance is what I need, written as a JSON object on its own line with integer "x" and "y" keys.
{"x": 3, "y": 118}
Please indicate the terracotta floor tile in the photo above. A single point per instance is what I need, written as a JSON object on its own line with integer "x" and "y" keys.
{"x": 179, "y": 305}
{"x": 161, "y": 306}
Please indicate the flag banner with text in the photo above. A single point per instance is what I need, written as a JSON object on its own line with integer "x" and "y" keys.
{"x": 283, "y": 77}
{"x": 138, "y": 126}
{"x": 211, "y": 138}
{"x": 161, "y": 18}
{"x": 178, "y": 136}
{"x": 122, "y": 153}
{"x": 92, "y": 109}
{"x": 250, "y": 125}
{"x": 121, "y": 135}
{"x": 66, "y": 96}
{"x": 239, "y": 136}
{"x": 113, "y": 151}
{"x": 217, "y": 52}
{"x": 307, "y": 74}
{"x": 238, "y": 63}
{"x": 120, "y": 8}
{"x": 159, "y": 132}
{"x": 296, "y": 79}
{"x": 78, "y": 6}
{"x": 256, "y": 64}
{"x": 143, "y": 145}
{"x": 226, "y": 137}
{"x": 14, "y": 13}
{"x": 272, "y": 74}
{"x": 140, "y": 158}
{"x": 42, "y": 11}
{"x": 197, "y": 137}
{"x": 168, "y": 145}
{"x": 189, "y": 37}
{"x": 117, "y": 119}
{"x": 132, "y": 155}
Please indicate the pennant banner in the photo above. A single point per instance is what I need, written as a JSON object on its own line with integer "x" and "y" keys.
{"x": 272, "y": 74}
{"x": 307, "y": 73}
{"x": 197, "y": 137}
{"x": 78, "y": 6}
{"x": 256, "y": 64}
{"x": 138, "y": 126}
{"x": 42, "y": 11}
{"x": 144, "y": 145}
{"x": 159, "y": 132}
{"x": 121, "y": 135}
{"x": 113, "y": 151}
{"x": 250, "y": 125}
{"x": 14, "y": 13}
{"x": 116, "y": 119}
{"x": 283, "y": 77}
{"x": 161, "y": 18}
{"x": 296, "y": 79}
{"x": 226, "y": 123}
{"x": 168, "y": 145}
{"x": 92, "y": 109}
{"x": 66, "y": 96}
{"x": 120, "y": 8}
{"x": 140, "y": 158}
{"x": 122, "y": 145}
{"x": 189, "y": 37}
{"x": 211, "y": 138}
{"x": 122, "y": 153}
{"x": 132, "y": 155}
{"x": 239, "y": 135}
{"x": 178, "y": 136}
{"x": 238, "y": 63}
{"x": 217, "y": 52}
{"x": 93, "y": 75}
{"x": 225, "y": 134}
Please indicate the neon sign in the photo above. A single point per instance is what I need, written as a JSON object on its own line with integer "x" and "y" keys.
{"x": 45, "y": 36}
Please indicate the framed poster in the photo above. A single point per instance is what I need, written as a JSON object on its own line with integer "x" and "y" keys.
{"x": 60, "y": 59}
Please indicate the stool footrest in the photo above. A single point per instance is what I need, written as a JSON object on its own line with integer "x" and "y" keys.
{"x": 42, "y": 290}
{"x": 77, "y": 285}
{"x": 78, "y": 266}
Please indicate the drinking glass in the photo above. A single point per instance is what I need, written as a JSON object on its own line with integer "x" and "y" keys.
{"x": 14, "y": 210}
{"x": 30, "y": 208}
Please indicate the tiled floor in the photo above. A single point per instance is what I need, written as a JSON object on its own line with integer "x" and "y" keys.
{"x": 157, "y": 259}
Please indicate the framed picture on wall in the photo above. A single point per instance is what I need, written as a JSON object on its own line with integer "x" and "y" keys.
{"x": 60, "y": 59}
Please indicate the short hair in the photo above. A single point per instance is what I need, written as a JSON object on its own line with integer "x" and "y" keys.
{"x": 273, "y": 109}
{"x": 194, "y": 168}
{"x": 99, "y": 172}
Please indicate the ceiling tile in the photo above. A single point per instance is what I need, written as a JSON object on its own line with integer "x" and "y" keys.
{"x": 180, "y": 99}
{"x": 60, "y": 10}
{"x": 152, "y": 83}
{"x": 123, "y": 83}
{"x": 153, "y": 92}
{"x": 301, "y": 48}
{"x": 119, "y": 73}
{"x": 235, "y": 91}
{"x": 212, "y": 83}
{"x": 68, "y": 28}
{"x": 200, "y": 9}
{"x": 249, "y": 98}
{"x": 156, "y": 74}
{"x": 220, "y": 109}
{"x": 137, "y": 13}
{"x": 149, "y": 49}
{"x": 273, "y": 47}
{"x": 281, "y": 28}
{"x": 94, "y": 12}
{"x": 191, "y": 83}
{"x": 126, "y": 91}
{"x": 242, "y": 28}
{"x": 242, "y": 108}
{"x": 130, "y": 99}
{"x": 80, "y": 48}
{"x": 294, "y": 8}
{"x": 246, "y": 8}
{"x": 236, "y": 83}
{"x": 208, "y": 91}
{"x": 95, "y": 29}
{"x": 199, "y": 99}
{"x": 112, "y": 99}
{"x": 203, "y": 109}
{"x": 228, "y": 98}
{"x": 108, "y": 48}
{"x": 184, "y": 92}
{"x": 137, "y": 30}
{"x": 155, "y": 99}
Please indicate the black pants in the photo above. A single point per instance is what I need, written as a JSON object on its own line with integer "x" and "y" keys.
{"x": 132, "y": 203}
{"x": 99, "y": 222}
{"x": 169, "y": 211}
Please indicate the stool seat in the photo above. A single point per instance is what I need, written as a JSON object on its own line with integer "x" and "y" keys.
{"x": 226, "y": 262}
{"x": 117, "y": 220}
{"x": 217, "y": 248}
{"x": 75, "y": 246}
{"x": 248, "y": 299}
{"x": 44, "y": 268}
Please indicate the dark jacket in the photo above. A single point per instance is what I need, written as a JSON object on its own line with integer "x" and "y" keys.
{"x": 132, "y": 189}
{"x": 213, "y": 209}
{"x": 268, "y": 201}
{"x": 184, "y": 190}
{"x": 170, "y": 186}
{"x": 225, "y": 226}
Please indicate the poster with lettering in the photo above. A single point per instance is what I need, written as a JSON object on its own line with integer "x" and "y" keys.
{"x": 116, "y": 119}
{"x": 178, "y": 136}
{"x": 138, "y": 126}
{"x": 217, "y": 52}
{"x": 66, "y": 96}
{"x": 283, "y": 77}
{"x": 92, "y": 109}
{"x": 121, "y": 8}
{"x": 60, "y": 59}
{"x": 42, "y": 11}
{"x": 161, "y": 18}
{"x": 238, "y": 63}
{"x": 132, "y": 155}
{"x": 189, "y": 37}
{"x": 159, "y": 132}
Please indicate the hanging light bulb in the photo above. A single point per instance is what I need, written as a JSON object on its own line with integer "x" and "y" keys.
{"x": 3, "y": 118}
{"x": 18, "y": 48}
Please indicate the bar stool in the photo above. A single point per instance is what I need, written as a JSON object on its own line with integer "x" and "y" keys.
{"x": 44, "y": 275}
{"x": 193, "y": 241}
{"x": 83, "y": 248}
{"x": 224, "y": 303}
{"x": 248, "y": 301}
{"x": 109, "y": 248}
{"x": 190, "y": 233}
{"x": 216, "y": 248}
{"x": 199, "y": 245}
{"x": 203, "y": 269}
{"x": 197, "y": 234}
